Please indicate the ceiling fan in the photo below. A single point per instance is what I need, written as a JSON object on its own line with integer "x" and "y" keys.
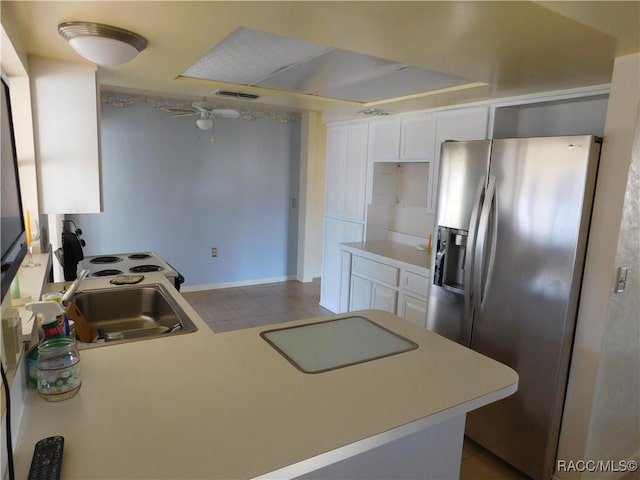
{"x": 206, "y": 111}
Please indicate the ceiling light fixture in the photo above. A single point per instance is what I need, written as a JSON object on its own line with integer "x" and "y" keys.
{"x": 204, "y": 122}
{"x": 102, "y": 44}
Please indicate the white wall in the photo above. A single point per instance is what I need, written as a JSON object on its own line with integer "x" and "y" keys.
{"x": 615, "y": 421}
{"x": 605, "y": 353}
{"x": 579, "y": 116}
{"x": 311, "y": 205}
{"x": 575, "y": 117}
{"x": 167, "y": 188}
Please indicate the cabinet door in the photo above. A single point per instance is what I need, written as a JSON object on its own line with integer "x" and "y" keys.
{"x": 346, "y": 171}
{"x": 384, "y": 139}
{"x": 336, "y": 231}
{"x": 345, "y": 280}
{"x": 383, "y": 298}
{"x": 413, "y": 309}
{"x": 360, "y": 297}
{"x": 416, "y": 141}
{"x": 334, "y": 175}
{"x": 462, "y": 124}
{"x": 65, "y": 105}
{"x": 416, "y": 284}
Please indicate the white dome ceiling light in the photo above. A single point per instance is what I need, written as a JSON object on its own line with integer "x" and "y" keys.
{"x": 102, "y": 44}
{"x": 204, "y": 122}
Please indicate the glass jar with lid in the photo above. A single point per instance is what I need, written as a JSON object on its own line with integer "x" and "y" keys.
{"x": 58, "y": 369}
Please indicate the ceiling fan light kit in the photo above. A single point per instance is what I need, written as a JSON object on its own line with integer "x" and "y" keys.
{"x": 102, "y": 44}
{"x": 204, "y": 122}
{"x": 206, "y": 112}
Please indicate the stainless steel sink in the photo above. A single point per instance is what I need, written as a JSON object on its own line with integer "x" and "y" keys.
{"x": 127, "y": 314}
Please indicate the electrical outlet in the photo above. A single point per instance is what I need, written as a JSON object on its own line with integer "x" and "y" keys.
{"x": 214, "y": 251}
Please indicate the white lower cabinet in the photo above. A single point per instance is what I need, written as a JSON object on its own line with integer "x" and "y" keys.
{"x": 413, "y": 309}
{"x": 383, "y": 298}
{"x": 360, "y": 294}
{"x": 385, "y": 284}
{"x": 345, "y": 281}
{"x": 366, "y": 295}
{"x": 332, "y": 289}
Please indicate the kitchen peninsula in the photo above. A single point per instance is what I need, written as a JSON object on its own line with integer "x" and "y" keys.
{"x": 230, "y": 406}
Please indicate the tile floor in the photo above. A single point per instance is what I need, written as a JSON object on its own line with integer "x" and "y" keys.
{"x": 243, "y": 307}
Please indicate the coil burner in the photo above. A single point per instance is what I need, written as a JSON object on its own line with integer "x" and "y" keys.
{"x": 132, "y": 262}
{"x": 104, "y": 260}
{"x": 106, "y": 273}
{"x": 146, "y": 268}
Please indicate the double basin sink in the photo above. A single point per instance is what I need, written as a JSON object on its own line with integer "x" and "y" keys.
{"x": 126, "y": 314}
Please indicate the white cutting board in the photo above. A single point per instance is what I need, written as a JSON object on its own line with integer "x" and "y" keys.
{"x": 322, "y": 346}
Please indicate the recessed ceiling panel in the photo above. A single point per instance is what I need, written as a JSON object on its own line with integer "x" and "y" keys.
{"x": 394, "y": 84}
{"x": 357, "y": 77}
{"x": 247, "y": 56}
{"x": 253, "y": 58}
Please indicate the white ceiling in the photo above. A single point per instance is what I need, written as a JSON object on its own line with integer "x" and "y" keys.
{"x": 506, "y": 48}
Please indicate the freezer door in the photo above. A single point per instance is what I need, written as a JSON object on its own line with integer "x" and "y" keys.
{"x": 462, "y": 165}
{"x": 463, "y": 168}
{"x": 537, "y": 229}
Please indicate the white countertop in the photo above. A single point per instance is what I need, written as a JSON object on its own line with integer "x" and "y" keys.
{"x": 31, "y": 281}
{"x": 396, "y": 252}
{"x": 206, "y": 405}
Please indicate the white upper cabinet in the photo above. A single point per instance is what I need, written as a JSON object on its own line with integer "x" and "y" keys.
{"x": 384, "y": 139}
{"x": 66, "y": 127}
{"x": 406, "y": 138}
{"x": 418, "y": 137}
{"x": 346, "y": 171}
{"x": 416, "y": 140}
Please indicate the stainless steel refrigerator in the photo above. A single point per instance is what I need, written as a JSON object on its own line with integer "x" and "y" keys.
{"x": 511, "y": 231}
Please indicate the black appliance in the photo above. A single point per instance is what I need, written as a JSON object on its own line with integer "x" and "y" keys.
{"x": 71, "y": 249}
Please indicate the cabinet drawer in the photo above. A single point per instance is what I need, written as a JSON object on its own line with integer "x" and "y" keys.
{"x": 417, "y": 284}
{"x": 376, "y": 270}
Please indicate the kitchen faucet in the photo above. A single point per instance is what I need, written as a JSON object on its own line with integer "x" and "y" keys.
{"x": 68, "y": 295}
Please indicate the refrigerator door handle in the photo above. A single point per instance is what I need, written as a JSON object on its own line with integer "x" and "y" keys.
{"x": 470, "y": 254}
{"x": 479, "y": 290}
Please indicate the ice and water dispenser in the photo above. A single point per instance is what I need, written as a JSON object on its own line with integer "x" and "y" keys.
{"x": 451, "y": 251}
{"x": 463, "y": 177}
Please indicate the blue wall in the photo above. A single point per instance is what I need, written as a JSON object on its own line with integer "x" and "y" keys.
{"x": 168, "y": 189}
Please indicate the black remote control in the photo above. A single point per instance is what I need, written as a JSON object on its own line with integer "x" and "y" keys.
{"x": 46, "y": 463}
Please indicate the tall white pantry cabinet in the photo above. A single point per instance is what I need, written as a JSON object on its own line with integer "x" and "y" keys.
{"x": 345, "y": 194}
